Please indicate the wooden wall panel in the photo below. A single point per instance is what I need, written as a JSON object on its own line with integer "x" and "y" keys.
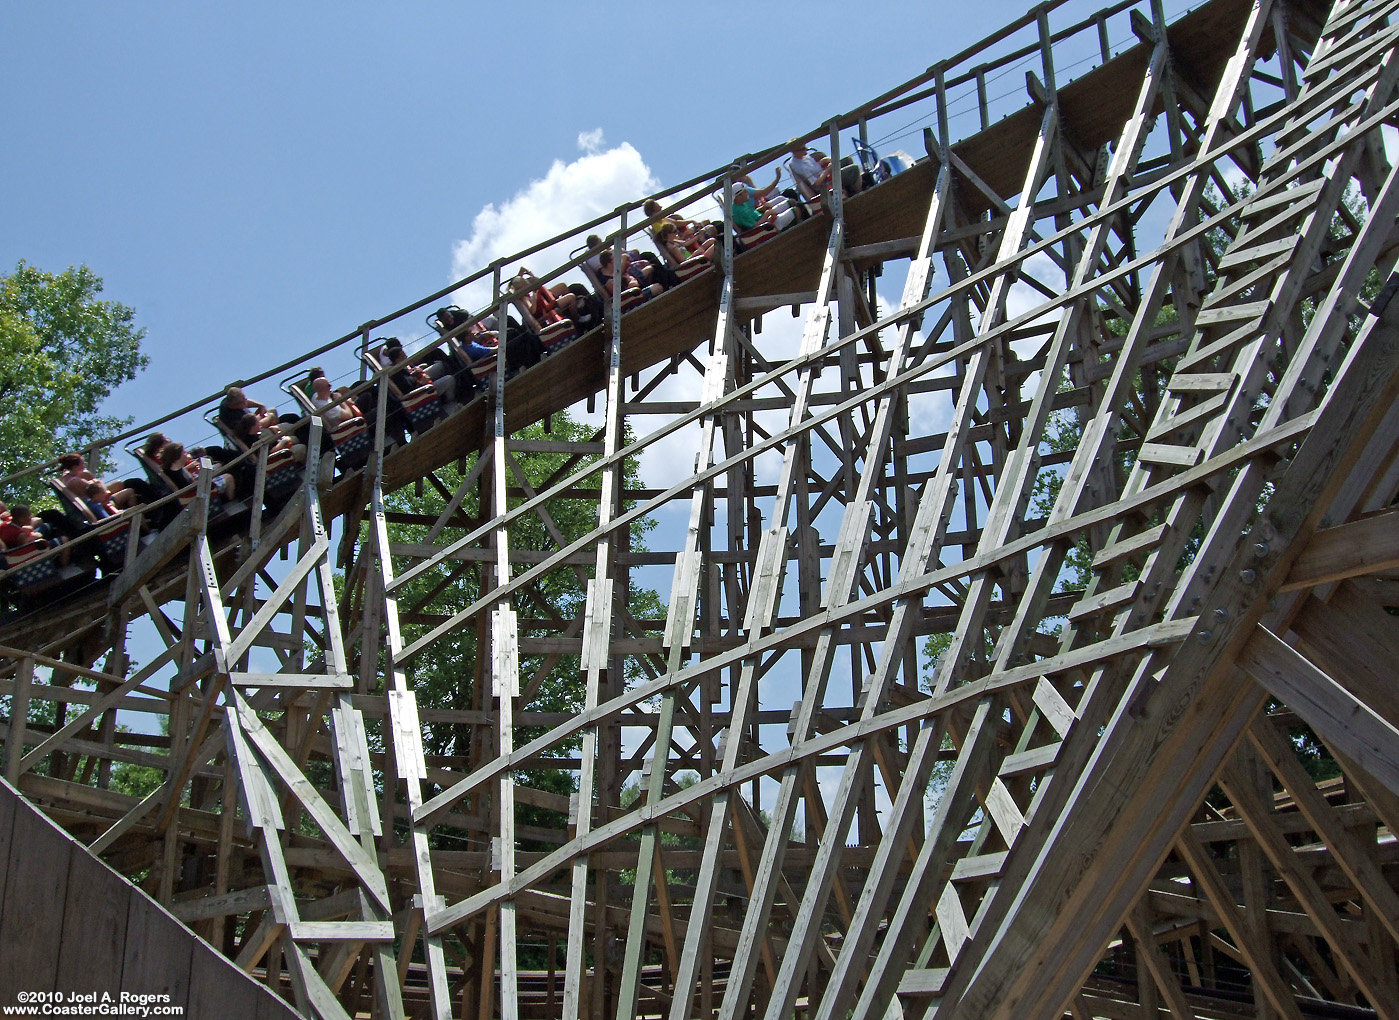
{"x": 69, "y": 923}
{"x": 94, "y": 926}
{"x": 35, "y": 890}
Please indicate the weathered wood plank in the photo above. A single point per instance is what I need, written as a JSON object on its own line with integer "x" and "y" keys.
{"x": 9, "y": 798}
{"x": 1360, "y": 547}
{"x": 158, "y": 953}
{"x": 94, "y": 927}
{"x": 1327, "y": 707}
{"x": 36, "y": 889}
{"x": 217, "y": 988}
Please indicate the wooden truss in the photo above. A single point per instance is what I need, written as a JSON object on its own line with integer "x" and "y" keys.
{"x": 1028, "y": 647}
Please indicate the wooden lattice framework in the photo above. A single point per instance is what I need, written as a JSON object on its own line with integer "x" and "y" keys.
{"x": 1126, "y": 447}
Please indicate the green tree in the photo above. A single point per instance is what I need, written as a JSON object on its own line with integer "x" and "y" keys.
{"x": 445, "y": 675}
{"x": 62, "y": 352}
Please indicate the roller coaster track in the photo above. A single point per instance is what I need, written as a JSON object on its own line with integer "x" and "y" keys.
{"x": 1028, "y": 651}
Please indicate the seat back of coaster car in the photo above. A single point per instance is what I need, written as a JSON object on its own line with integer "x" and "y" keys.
{"x": 112, "y": 540}
{"x": 692, "y": 267}
{"x": 283, "y": 474}
{"x": 421, "y": 406}
{"x": 757, "y": 235}
{"x": 352, "y": 441}
{"x": 31, "y": 568}
{"x": 557, "y": 334}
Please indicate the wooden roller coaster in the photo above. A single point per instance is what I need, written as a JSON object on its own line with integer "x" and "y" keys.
{"x": 1021, "y": 646}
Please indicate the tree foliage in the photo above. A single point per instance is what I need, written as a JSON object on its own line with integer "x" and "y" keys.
{"x": 62, "y": 352}
{"x": 445, "y": 676}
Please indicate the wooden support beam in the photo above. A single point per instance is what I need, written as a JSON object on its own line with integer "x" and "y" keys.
{"x": 1327, "y": 707}
{"x": 1377, "y": 988}
{"x": 1366, "y": 546}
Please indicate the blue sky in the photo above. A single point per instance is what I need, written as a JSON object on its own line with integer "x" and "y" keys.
{"x": 257, "y": 179}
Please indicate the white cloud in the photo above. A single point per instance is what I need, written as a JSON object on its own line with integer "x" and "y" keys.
{"x": 590, "y": 141}
{"x": 1024, "y": 298}
{"x": 672, "y": 458}
{"x": 569, "y": 193}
